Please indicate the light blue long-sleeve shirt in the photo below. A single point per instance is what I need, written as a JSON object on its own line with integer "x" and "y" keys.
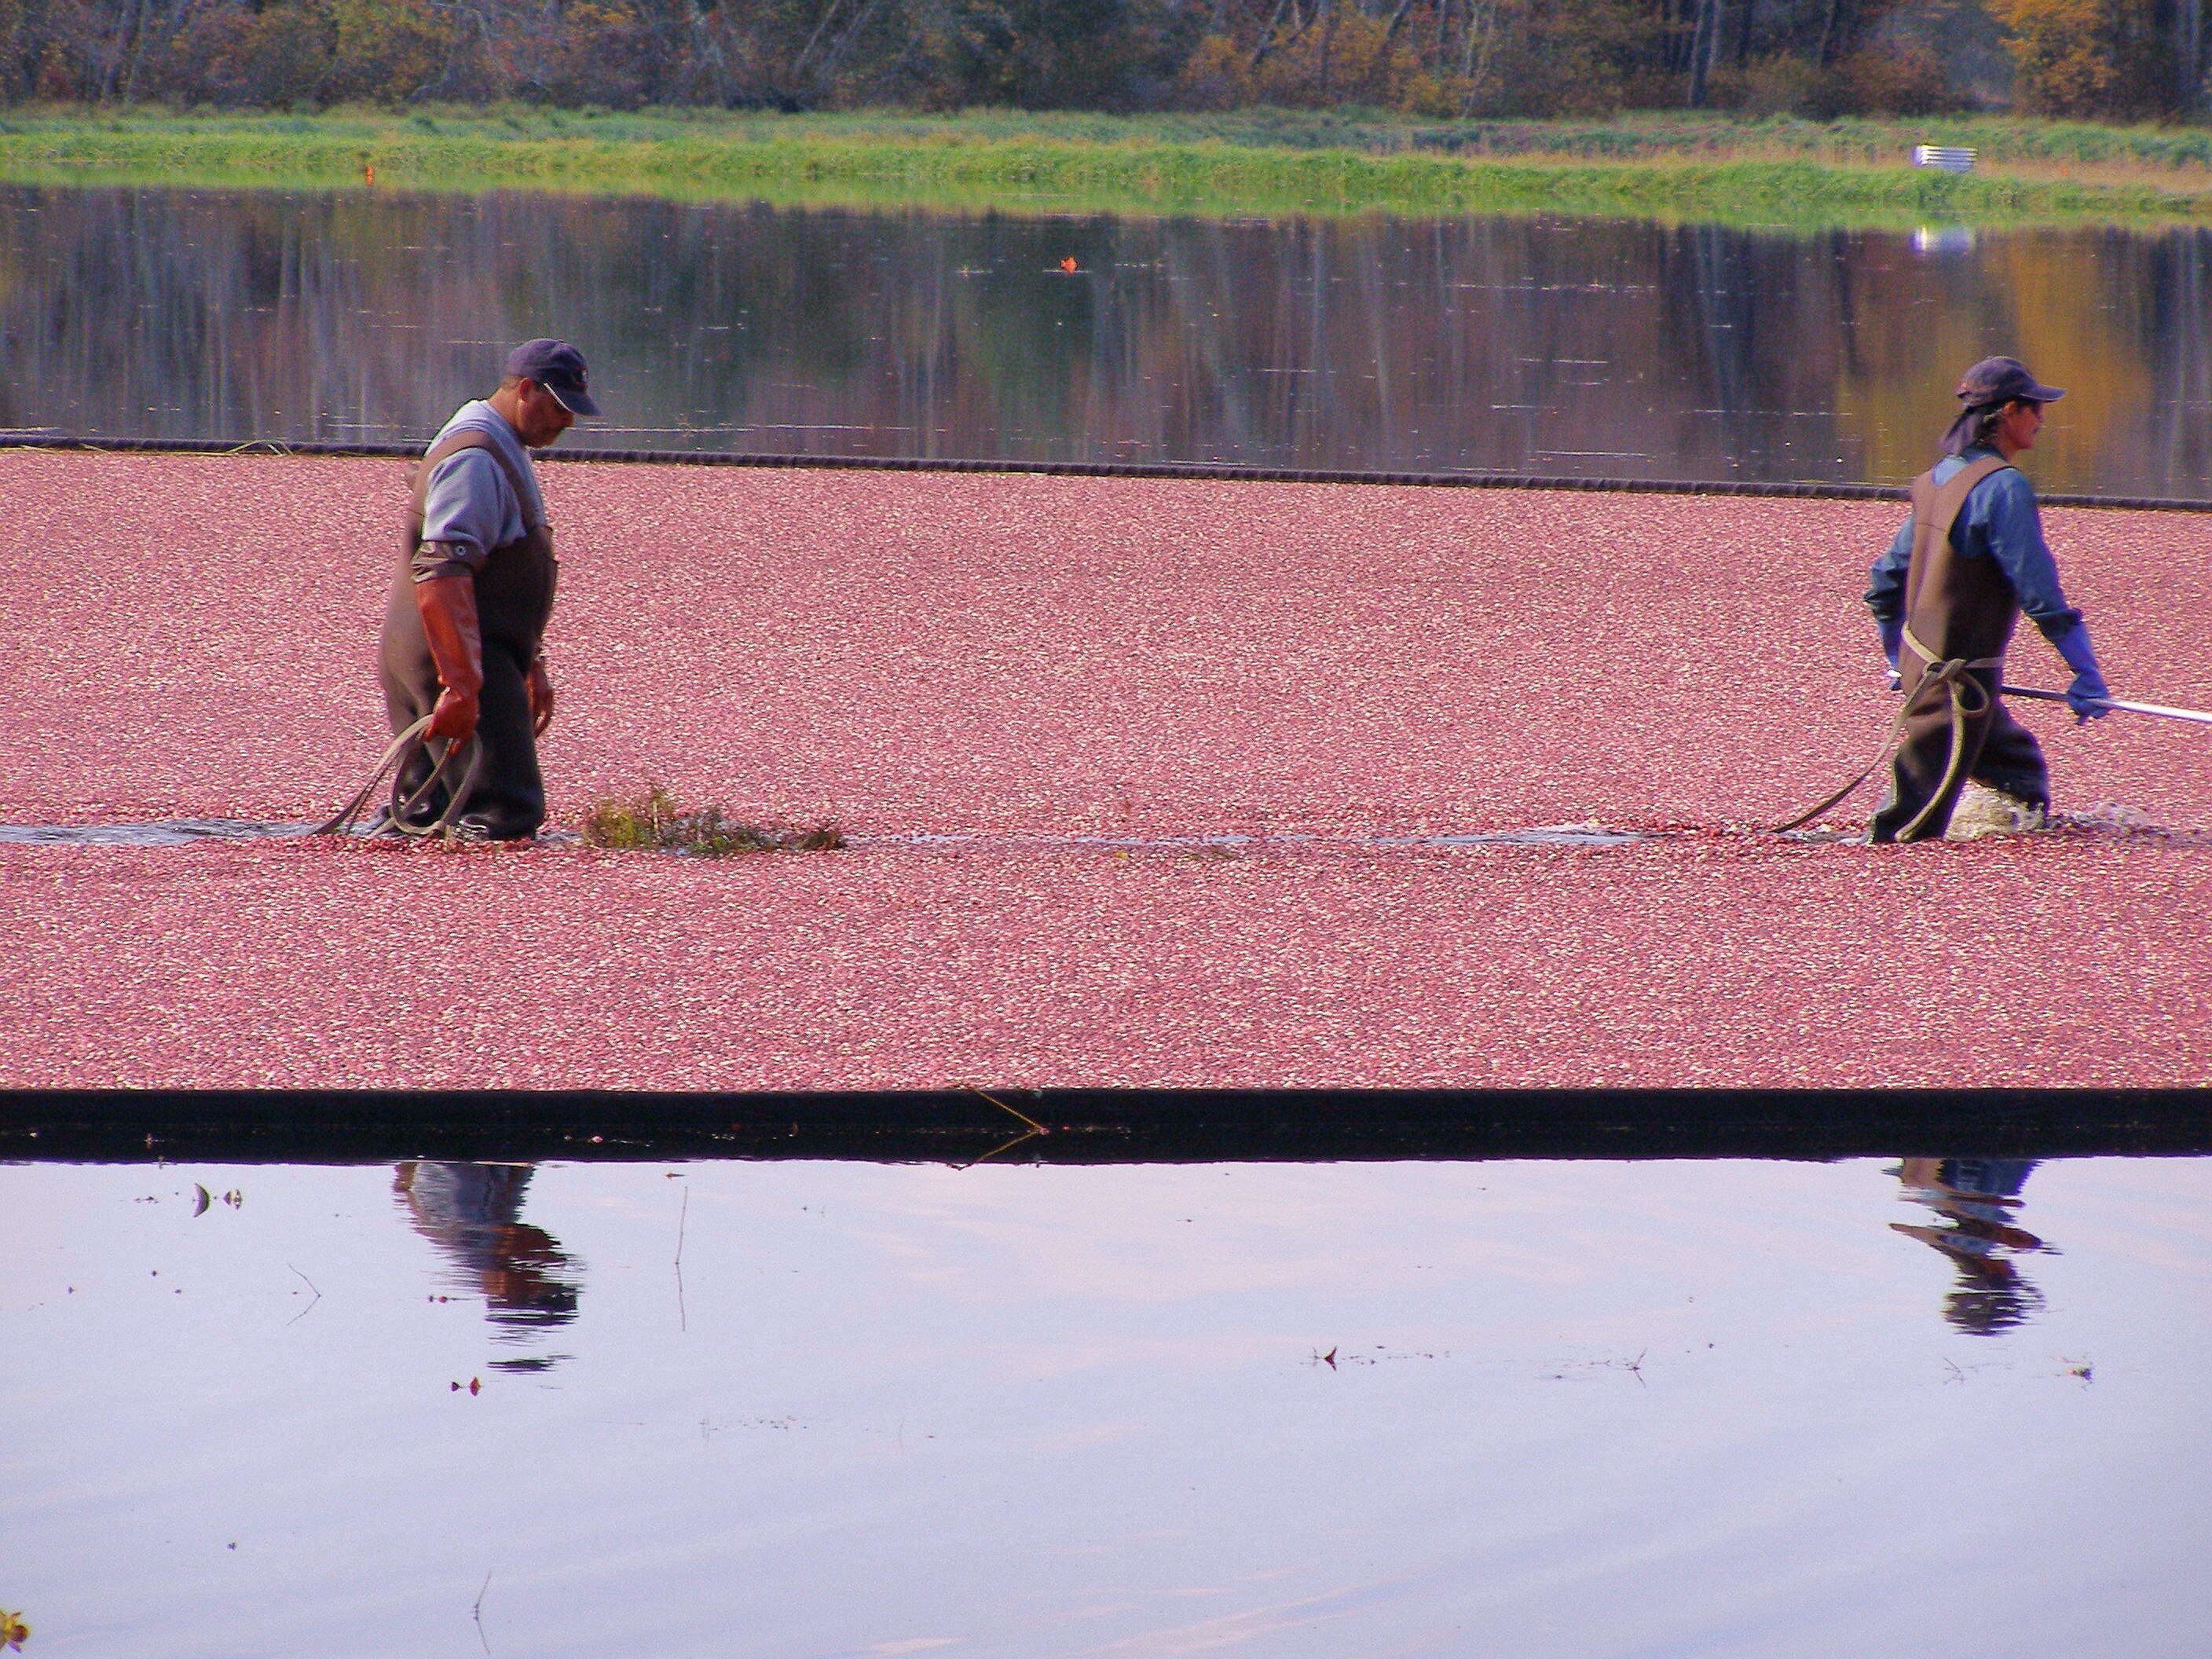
{"x": 2000, "y": 521}
{"x": 470, "y": 507}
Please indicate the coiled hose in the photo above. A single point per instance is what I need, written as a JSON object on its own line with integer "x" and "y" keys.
{"x": 404, "y": 801}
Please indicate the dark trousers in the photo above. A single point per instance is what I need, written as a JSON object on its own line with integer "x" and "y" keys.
{"x": 2000, "y": 753}
{"x": 508, "y": 801}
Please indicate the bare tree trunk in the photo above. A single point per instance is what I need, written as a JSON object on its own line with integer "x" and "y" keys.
{"x": 1826, "y": 57}
{"x": 710, "y": 68}
{"x": 464, "y": 14}
{"x": 1475, "y": 61}
{"x": 1267, "y": 35}
{"x": 137, "y": 55}
{"x": 837, "y": 53}
{"x": 1702, "y": 39}
{"x": 807, "y": 51}
{"x": 126, "y": 24}
{"x": 2188, "y": 54}
{"x": 1743, "y": 33}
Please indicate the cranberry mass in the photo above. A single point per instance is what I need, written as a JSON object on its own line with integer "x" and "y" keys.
{"x": 1027, "y": 661}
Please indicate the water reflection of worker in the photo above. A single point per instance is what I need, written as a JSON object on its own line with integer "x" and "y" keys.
{"x": 472, "y": 1213}
{"x": 1963, "y": 569}
{"x": 465, "y": 626}
{"x": 1979, "y": 1198}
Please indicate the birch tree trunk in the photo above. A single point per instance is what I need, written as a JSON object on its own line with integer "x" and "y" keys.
{"x": 1703, "y": 39}
{"x": 2188, "y": 54}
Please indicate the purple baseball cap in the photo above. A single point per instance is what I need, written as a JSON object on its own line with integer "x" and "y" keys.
{"x": 2002, "y": 380}
{"x": 559, "y": 367}
{"x": 1991, "y": 384}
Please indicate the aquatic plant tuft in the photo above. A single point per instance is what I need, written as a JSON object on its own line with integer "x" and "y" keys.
{"x": 656, "y": 821}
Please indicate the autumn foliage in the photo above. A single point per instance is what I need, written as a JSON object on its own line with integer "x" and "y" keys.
{"x": 2094, "y": 58}
{"x": 1431, "y": 58}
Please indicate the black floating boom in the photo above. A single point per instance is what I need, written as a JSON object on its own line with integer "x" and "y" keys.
{"x": 1092, "y": 1126}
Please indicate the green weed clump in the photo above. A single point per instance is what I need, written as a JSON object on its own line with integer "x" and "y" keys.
{"x": 655, "y": 822}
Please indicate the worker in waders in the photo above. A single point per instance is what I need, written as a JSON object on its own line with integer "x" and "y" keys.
{"x": 464, "y": 627}
{"x": 1963, "y": 569}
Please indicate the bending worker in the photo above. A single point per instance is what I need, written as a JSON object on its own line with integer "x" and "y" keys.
{"x": 1965, "y": 566}
{"x": 464, "y": 630}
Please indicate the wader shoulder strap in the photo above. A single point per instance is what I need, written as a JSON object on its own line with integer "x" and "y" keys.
{"x": 468, "y": 438}
{"x": 1931, "y": 540}
{"x": 1935, "y": 508}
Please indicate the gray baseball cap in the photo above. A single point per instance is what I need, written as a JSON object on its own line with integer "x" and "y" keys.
{"x": 559, "y": 367}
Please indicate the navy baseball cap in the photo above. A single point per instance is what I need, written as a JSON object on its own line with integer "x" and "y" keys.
{"x": 559, "y": 367}
{"x": 2002, "y": 380}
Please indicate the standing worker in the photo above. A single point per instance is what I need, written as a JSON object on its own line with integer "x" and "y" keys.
{"x": 464, "y": 630}
{"x": 1963, "y": 569}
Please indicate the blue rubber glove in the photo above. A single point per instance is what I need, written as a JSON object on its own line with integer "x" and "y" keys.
{"x": 1892, "y": 641}
{"x": 2088, "y": 681}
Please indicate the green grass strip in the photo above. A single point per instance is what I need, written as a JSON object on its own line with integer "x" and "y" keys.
{"x": 1789, "y": 176}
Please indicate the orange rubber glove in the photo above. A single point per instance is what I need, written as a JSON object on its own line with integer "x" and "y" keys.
{"x": 448, "y": 604}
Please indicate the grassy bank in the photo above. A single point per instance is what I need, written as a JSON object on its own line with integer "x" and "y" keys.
{"x": 1780, "y": 172}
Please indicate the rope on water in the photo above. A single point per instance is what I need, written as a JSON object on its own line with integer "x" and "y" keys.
{"x": 404, "y": 801}
{"x": 1227, "y": 472}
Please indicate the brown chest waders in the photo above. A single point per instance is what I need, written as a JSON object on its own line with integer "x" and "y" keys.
{"x": 514, "y": 598}
{"x": 1959, "y": 618}
{"x": 1959, "y": 615}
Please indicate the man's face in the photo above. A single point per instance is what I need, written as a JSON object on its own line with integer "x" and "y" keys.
{"x": 543, "y": 418}
{"x": 2020, "y": 424}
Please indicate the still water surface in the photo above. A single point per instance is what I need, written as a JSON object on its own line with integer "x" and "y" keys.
{"x": 801, "y": 1410}
{"x": 1606, "y": 348}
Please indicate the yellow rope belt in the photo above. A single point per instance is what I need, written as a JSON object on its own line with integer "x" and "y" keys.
{"x": 1969, "y": 700}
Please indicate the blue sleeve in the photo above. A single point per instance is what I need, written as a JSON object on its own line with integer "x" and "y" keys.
{"x": 2009, "y": 527}
{"x": 465, "y": 512}
{"x": 1884, "y": 594}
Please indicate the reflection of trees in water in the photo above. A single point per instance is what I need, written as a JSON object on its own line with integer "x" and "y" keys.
{"x": 473, "y": 1213}
{"x": 1976, "y": 1200}
{"x": 1517, "y": 344}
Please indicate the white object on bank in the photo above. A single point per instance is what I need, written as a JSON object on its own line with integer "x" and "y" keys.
{"x": 1946, "y": 158}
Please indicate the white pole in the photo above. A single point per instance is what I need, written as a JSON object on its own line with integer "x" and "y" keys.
{"x": 2158, "y": 708}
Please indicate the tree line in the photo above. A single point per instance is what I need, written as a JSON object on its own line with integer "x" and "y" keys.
{"x": 2097, "y": 59}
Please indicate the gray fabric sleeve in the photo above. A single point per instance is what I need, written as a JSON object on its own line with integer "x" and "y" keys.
{"x": 463, "y": 511}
